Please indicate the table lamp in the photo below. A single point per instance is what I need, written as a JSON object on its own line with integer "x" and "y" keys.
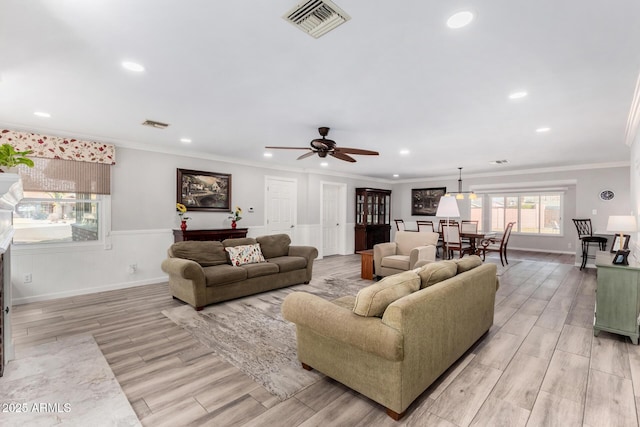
{"x": 621, "y": 224}
{"x": 447, "y": 207}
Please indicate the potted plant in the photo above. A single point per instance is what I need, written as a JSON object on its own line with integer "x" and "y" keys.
{"x": 10, "y": 158}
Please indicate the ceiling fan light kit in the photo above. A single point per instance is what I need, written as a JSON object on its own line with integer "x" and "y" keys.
{"x": 323, "y": 147}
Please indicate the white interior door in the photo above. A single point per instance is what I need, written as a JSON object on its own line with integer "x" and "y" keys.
{"x": 330, "y": 220}
{"x": 281, "y": 205}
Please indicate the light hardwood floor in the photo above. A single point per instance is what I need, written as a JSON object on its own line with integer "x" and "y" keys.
{"x": 539, "y": 365}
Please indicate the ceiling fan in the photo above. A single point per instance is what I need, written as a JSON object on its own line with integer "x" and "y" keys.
{"x": 324, "y": 146}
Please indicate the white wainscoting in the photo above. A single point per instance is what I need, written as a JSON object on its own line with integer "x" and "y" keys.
{"x": 69, "y": 270}
{"x": 64, "y": 271}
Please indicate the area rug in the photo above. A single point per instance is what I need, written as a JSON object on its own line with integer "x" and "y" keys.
{"x": 65, "y": 382}
{"x": 251, "y": 334}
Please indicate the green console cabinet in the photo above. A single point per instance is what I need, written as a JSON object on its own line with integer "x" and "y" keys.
{"x": 617, "y": 297}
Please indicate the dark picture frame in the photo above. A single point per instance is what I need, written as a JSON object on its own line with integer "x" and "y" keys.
{"x": 615, "y": 246}
{"x": 204, "y": 191}
{"x": 424, "y": 201}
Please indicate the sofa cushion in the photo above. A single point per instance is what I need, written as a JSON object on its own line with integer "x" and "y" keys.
{"x": 224, "y": 274}
{"x": 205, "y": 253}
{"x": 289, "y": 263}
{"x": 373, "y": 300}
{"x": 274, "y": 245}
{"x": 399, "y": 262}
{"x": 468, "y": 263}
{"x": 239, "y": 241}
{"x": 436, "y": 272}
{"x": 245, "y": 254}
{"x": 260, "y": 269}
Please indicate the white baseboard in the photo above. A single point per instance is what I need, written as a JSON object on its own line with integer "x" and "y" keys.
{"x": 542, "y": 251}
{"x": 85, "y": 291}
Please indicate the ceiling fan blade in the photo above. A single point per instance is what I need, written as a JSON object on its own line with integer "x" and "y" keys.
{"x": 305, "y": 155}
{"x": 356, "y": 151}
{"x": 288, "y": 148}
{"x": 343, "y": 156}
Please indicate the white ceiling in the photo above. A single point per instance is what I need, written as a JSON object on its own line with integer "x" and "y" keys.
{"x": 234, "y": 76}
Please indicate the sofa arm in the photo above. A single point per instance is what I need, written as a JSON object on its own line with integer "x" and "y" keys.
{"x": 380, "y": 251}
{"x": 183, "y": 268}
{"x": 330, "y": 320}
{"x": 422, "y": 253}
{"x": 308, "y": 252}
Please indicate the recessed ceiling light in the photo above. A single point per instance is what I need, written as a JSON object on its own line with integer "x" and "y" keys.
{"x": 460, "y": 19}
{"x": 517, "y": 95}
{"x": 395, "y": 175}
{"x": 268, "y": 154}
{"x": 42, "y": 114}
{"x": 133, "y": 66}
{"x": 185, "y": 140}
{"x": 543, "y": 129}
{"x": 324, "y": 164}
{"x": 404, "y": 152}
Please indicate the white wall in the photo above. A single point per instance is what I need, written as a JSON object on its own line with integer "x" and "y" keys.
{"x": 142, "y": 218}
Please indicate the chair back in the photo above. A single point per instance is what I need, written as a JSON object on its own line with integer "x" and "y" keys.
{"x": 451, "y": 233}
{"x": 469, "y": 226}
{"x": 444, "y": 222}
{"x": 425, "y": 226}
{"x": 506, "y": 235}
{"x": 407, "y": 240}
{"x": 399, "y": 224}
{"x": 584, "y": 227}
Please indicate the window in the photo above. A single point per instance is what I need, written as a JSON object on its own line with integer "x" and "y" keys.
{"x": 52, "y": 217}
{"x": 476, "y": 211}
{"x": 533, "y": 213}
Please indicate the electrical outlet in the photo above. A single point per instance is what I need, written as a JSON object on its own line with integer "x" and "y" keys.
{"x": 133, "y": 268}
{"x": 27, "y": 278}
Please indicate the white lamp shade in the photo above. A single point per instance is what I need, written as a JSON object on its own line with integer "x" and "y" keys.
{"x": 448, "y": 207}
{"x": 622, "y": 224}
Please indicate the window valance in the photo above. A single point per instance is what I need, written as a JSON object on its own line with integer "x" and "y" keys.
{"x": 56, "y": 147}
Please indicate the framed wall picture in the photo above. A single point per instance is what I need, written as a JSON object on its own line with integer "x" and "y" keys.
{"x": 615, "y": 246}
{"x": 204, "y": 191}
{"x": 424, "y": 201}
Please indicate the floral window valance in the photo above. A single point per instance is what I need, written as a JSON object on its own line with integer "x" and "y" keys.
{"x": 56, "y": 147}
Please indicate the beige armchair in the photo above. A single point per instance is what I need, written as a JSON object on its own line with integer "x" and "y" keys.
{"x": 409, "y": 247}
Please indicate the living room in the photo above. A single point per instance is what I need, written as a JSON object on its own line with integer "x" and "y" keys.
{"x": 230, "y": 132}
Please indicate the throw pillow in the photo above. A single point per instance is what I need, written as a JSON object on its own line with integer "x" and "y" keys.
{"x": 436, "y": 272}
{"x": 373, "y": 300}
{"x": 468, "y": 263}
{"x": 245, "y": 254}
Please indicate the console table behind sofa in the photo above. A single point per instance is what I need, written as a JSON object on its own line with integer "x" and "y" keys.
{"x": 213, "y": 234}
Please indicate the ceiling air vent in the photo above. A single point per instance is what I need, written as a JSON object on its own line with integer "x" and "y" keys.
{"x": 154, "y": 124}
{"x": 316, "y": 17}
{"x": 499, "y": 162}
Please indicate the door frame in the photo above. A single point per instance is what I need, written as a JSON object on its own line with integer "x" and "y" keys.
{"x": 342, "y": 216}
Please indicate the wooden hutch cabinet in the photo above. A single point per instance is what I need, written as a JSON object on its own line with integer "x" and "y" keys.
{"x": 373, "y": 217}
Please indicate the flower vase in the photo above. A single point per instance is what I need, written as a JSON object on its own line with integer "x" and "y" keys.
{"x": 234, "y": 224}
{"x": 183, "y": 225}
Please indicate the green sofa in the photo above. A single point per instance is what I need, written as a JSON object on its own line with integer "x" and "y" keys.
{"x": 201, "y": 272}
{"x": 396, "y": 337}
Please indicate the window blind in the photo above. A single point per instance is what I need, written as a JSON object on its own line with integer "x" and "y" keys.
{"x": 66, "y": 176}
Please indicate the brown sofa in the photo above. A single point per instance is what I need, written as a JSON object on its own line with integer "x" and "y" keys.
{"x": 396, "y": 337}
{"x": 201, "y": 273}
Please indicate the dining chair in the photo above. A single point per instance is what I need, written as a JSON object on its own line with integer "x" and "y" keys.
{"x": 453, "y": 242}
{"x": 468, "y": 226}
{"x": 498, "y": 244}
{"x": 399, "y": 224}
{"x": 425, "y": 226}
{"x": 585, "y": 234}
